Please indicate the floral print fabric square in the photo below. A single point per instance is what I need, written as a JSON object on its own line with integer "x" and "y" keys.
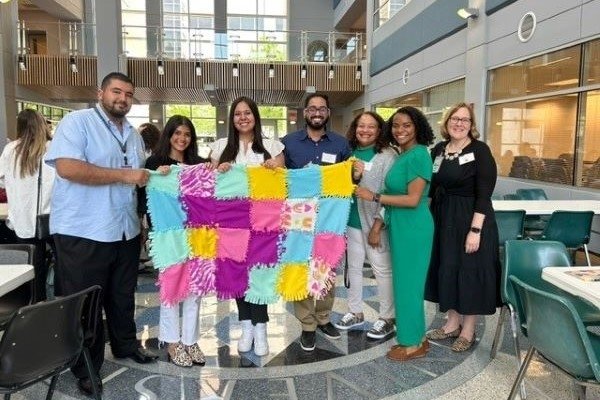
{"x": 251, "y": 231}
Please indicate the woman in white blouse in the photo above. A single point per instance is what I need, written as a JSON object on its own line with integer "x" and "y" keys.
{"x": 20, "y": 166}
{"x": 245, "y": 145}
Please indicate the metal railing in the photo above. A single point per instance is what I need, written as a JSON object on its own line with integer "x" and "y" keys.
{"x": 56, "y": 38}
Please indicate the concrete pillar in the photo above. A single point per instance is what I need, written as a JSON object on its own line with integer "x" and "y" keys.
{"x": 156, "y": 113}
{"x": 153, "y": 20}
{"x": 8, "y": 62}
{"x": 475, "y": 59}
{"x": 109, "y": 38}
{"x": 222, "y": 115}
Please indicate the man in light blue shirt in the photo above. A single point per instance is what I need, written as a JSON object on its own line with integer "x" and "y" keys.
{"x": 98, "y": 158}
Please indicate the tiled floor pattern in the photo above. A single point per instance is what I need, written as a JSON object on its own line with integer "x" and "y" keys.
{"x": 353, "y": 367}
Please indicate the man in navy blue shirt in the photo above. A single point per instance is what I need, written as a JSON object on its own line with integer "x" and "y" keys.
{"x": 315, "y": 145}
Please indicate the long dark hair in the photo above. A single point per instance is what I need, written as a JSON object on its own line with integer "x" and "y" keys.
{"x": 423, "y": 131}
{"x": 163, "y": 148}
{"x": 380, "y": 143}
{"x": 233, "y": 137}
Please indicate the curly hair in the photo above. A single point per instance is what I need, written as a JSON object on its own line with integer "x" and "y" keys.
{"x": 423, "y": 131}
{"x": 473, "y": 132}
{"x": 150, "y": 134}
{"x": 380, "y": 142}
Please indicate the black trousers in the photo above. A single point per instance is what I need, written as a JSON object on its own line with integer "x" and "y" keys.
{"x": 40, "y": 265}
{"x": 257, "y": 313}
{"x": 82, "y": 263}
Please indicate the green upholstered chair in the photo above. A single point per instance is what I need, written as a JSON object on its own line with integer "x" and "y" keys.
{"x": 510, "y": 225}
{"x": 555, "y": 332}
{"x": 573, "y": 228}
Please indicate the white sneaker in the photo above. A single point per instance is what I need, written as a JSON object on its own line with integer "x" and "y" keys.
{"x": 261, "y": 347}
{"x": 245, "y": 341}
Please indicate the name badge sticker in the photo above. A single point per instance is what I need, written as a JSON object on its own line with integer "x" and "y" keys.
{"x": 437, "y": 163}
{"x": 466, "y": 158}
{"x": 368, "y": 165}
{"x": 328, "y": 158}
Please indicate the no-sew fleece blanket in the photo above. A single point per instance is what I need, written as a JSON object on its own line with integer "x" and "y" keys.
{"x": 251, "y": 231}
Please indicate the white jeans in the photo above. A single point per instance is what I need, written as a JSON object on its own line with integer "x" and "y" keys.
{"x": 190, "y": 320}
{"x": 358, "y": 251}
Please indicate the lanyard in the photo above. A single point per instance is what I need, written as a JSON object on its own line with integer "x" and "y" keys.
{"x": 123, "y": 146}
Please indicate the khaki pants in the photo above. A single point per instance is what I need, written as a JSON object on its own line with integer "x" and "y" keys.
{"x": 311, "y": 312}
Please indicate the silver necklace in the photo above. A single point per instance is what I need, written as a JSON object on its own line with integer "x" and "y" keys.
{"x": 451, "y": 156}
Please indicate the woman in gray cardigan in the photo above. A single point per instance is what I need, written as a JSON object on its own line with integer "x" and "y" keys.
{"x": 366, "y": 240}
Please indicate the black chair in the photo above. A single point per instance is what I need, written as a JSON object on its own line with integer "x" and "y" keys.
{"x": 45, "y": 339}
{"x": 24, "y": 294}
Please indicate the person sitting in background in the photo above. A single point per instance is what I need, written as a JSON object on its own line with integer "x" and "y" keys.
{"x": 369, "y": 145}
{"x": 20, "y": 164}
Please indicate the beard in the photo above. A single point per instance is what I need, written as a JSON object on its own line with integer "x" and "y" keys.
{"x": 115, "y": 109}
{"x": 316, "y": 125}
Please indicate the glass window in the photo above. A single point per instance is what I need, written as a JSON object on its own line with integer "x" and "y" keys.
{"x": 591, "y": 64}
{"x": 588, "y": 171}
{"x": 534, "y": 139}
{"x": 241, "y": 7}
{"x": 133, "y": 5}
{"x": 549, "y": 72}
{"x": 201, "y": 7}
{"x": 272, "y": 7}
{"x": 385, "y": 9}
{"x": 202, "y": 116}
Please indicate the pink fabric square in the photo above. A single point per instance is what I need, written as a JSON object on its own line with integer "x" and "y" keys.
{"x": 202, "y": 276}
{"x": 232, "y": 243}
{"x": 266, "y": 215}
{"x": 329, "y": 247}
{"x": 174, "y": 284}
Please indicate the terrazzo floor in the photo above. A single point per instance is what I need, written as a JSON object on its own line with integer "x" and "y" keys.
{"x": 353, "y": 367}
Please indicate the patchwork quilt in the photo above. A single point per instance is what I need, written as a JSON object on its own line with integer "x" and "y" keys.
{"x": 250, "y": 232}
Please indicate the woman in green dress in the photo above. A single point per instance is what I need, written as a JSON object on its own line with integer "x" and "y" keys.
{"x": 410, "y": 227}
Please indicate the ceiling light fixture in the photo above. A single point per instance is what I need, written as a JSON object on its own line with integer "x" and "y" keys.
{"x": 73, "y": 64}
{"x": 358, "y": 73}
{"x": 331, "y": 72}
{"x": 22, "y": 63}
{"x": 466, "y": 13}
{"x": 303, "y": 72}
{"x": 160, "y": 67}
{"x": 198, "y": 68}
{"x": 235, "y": 70}
{"x": 271, "y": 71}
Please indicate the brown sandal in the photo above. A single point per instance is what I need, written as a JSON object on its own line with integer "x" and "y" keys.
{"x": 439, "y": 334}
{"x": 462, "y": 344}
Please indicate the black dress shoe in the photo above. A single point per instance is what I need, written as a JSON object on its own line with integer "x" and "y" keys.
{"x": 85, "y": 386}
{"x": 330, "y": 331}
{"x": 143, "y": 356}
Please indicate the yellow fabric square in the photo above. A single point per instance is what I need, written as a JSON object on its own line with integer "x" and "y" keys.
{"x": 267, "y": 184}
{"x": 293, "y": 281}
{"x": 203, "y": 242}
{"x": 337, "y": 179}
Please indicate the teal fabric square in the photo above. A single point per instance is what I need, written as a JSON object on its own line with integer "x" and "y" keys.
{"x": 169, "y": 247}
{"x": 262, "y": 285}
{"x": 332, "y": 215}
{"x": 233, "y": 183}
{"x": 165, "y": 211}
{"x": 304, "y": 182}
{"x": 165, "y": 183}
{"x": 297, "y": 247}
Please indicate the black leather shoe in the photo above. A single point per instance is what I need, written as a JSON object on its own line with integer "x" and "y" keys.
{"x": 143, "y": 356}
{"x": 307, "y": 340}
{"x": 85, "y": 386}
{"x": 330, "y": 331}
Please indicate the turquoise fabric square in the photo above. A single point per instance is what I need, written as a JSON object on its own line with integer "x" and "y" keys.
{"x": 233, "y": 183}
{"x": 304, "y": 182}
{"x": 165, "y": 183}
{"x": 169, "y": 247}
{"x": 297, "y": 247}
{"x": 332, "y": 215}
{"x": 262, "y": 285}
{"x": 165, "y": 211}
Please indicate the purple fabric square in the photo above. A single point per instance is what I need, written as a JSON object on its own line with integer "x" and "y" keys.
{"x": 233, "y": 213}
{"x": 200, "y": 210}
{"x": 197, "y": 180}
{"x": 231, "y": 279}
{"x": 263, "y": 248}
{"x": 202, "y": 276}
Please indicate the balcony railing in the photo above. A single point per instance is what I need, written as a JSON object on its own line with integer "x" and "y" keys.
{"x": 79, "y": 39}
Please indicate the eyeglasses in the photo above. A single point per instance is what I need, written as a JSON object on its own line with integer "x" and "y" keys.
{"x": 456, "y": 120}
{"x": 315, "y": 110}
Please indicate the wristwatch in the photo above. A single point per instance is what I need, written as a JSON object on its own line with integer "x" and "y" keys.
{"x": 376, "y": 197}
{"x": 475, "y": 229}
